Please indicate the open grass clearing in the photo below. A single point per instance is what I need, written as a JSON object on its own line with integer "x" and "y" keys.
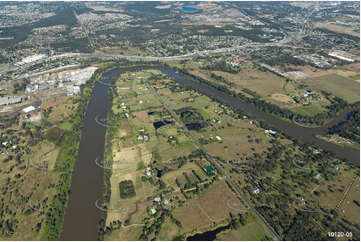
{"x": 210, "y": 206}
{"x": 134, "y": 208}
{"x": 34, "y": 184}
{"x": 125, "y": 234}
{"x": 128, "y": 158}
{"x": 43, "y": 156}
{"x": 235, "y": 142}
{"x": 142, "y": 118}
{"x": 349, "y": 208}
{"x": 254, "y": 230}
{"x": 192, "y": 217}
{"x": 142, "y": 103}
{"x": 353, "y": 75}
{"x": 339, "y": 86}
{"x": 263, "y": 83}
{"x": 353, "y": 67}
{"x": 168, "y": 231}
{"x": 169, "y": 151}
{"x": 332, "y": 191}
{"x": 282, "y": 98}
{"x": 309, "y": 110}
{"x": 62, "y": 107}
{"x": 338, "y": 28}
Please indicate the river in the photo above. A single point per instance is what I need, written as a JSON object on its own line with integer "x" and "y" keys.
{"x": 301, "y": 134}
{"x": 87, "y": 187}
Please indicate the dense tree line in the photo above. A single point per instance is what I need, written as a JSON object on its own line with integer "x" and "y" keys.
{"x": 68, "y": 152}
{"x": 221, "y": 66}
{"x": 283, "y": 59}
{"x": 342, "y": 35}
{"x": 337, "y": 104}
{"x": 222, "y": 79}
{"x": 350, "y": 128}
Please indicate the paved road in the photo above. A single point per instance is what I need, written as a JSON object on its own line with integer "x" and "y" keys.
{"x": 181, "y": 57}
{"x": 57, "y": 69}
{"x": 282, "y": 42}
{"x": 215, "y": 163}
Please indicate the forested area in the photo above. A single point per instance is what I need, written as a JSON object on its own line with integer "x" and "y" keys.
{"x": 350, "y": 128}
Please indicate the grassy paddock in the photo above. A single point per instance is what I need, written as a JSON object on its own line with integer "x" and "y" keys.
{"x": 339, "y": 86}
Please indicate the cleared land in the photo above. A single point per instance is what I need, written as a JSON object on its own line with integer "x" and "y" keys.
{"x": 196, "y": 199}
{"x": 252, "y": 231}
{"x": 211, "y": 206}
{"x": 339, "y": 86}
{"x": 345, "y": 29}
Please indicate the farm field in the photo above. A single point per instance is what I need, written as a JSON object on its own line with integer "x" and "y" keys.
{"x": 339, "y": 86}
{"x": 151, "y": 149}
{"x": 309, "y": 110}
{"x": 210, "y": 206}
{"x": 252, "y": 231}
{"x": 180, "y": 120}
{"x": 231, "y": 147}
{"x": 263, "y": 83}
{"x": 252, "y": 82}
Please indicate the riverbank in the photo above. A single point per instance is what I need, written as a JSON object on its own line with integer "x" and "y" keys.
{"x": 290, "y": 129}
{"x": 67, "y": 155}
{"x": 89, "y": 186}
{"x": 336, "y": 107}
{"x": 71, "y": 176}
{"x": 108, "y": 160}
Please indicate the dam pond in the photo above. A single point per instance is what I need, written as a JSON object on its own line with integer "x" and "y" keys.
{"x": 82, "y": 216}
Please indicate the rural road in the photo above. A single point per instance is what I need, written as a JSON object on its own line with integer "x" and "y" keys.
{"x": 215, "y": 163}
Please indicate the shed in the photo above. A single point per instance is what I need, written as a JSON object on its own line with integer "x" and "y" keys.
{"x": 28, "y": 109}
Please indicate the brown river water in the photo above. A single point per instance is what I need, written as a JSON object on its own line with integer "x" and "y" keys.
{"x": 87, "y": 187}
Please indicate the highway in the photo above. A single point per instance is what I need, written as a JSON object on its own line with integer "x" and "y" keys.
{"x": 180, "y": 57}
{"x": 282, "y": 42}
{"x": 57, "y": 69}
{"x": 215, "y": 163}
